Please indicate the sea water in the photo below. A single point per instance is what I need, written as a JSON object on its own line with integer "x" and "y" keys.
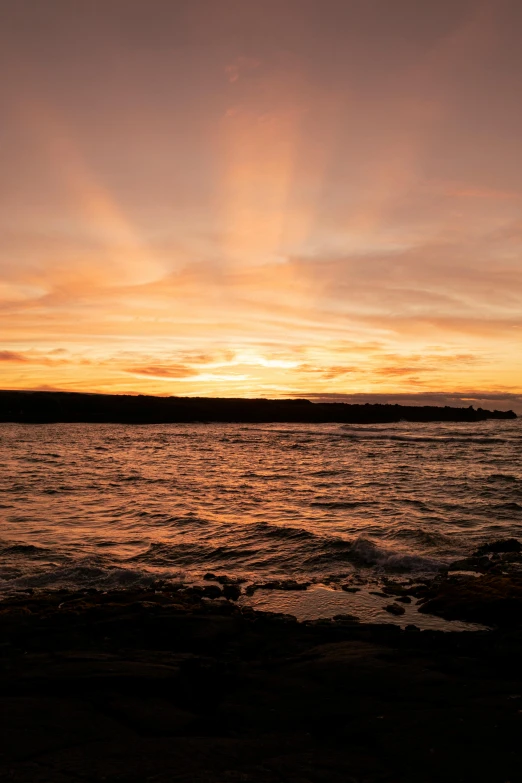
{"x": 111, "y": 506}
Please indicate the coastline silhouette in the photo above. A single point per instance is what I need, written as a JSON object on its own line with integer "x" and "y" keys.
{"x": 57, "y": 406}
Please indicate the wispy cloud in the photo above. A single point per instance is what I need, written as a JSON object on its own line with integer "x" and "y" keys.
{"x": 12, "y": 356}
{"x": 161, "y": 371}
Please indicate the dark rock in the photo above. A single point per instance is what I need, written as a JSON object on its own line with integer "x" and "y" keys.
{"x": 277, "y": 584}
{"x": 404, "y": 599}
{"x": 474, "y": 563}
{"x": 412, "y": 627}
{"x": 501, "y": 545}
{"x": 490, "y": 599}
{"x": 346, "y": 618}
{"x": 212, "y": 591}
{"x": 232, "y": 592}
{"x": 223, "y": 579}
{"x": 229, "y": 580}
{"x": 394, "y": 609}
{"x": 194, "y": 590}
{"x": 137, "y": 685}
{"x": 350, "y": 589}
{"x": 392, "y": 588}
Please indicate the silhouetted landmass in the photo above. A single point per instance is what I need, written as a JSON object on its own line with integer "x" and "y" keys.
{"x": 43, "y": 406}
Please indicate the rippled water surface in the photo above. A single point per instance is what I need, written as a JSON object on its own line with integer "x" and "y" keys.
{"x": 108, "y": 505}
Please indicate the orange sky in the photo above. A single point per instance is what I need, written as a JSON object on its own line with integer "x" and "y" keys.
{"x": 251, "y": 197}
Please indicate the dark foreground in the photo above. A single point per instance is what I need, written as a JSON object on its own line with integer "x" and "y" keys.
{"x": 51, "y": 407}
{"x": 170, "y": 684}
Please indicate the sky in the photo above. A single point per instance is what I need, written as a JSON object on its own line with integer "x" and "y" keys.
{"x": 262, "y": 198}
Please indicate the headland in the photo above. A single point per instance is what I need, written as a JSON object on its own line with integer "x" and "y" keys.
{"x": 73, "y": 407}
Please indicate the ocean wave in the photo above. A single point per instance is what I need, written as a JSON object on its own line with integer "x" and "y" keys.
{"x": 372, "y": 554}
{"x": 327, "y": 473}
{"x": 358, "y": 550}
{"x": 333, "y": 504}
{"x": 269, "y": 546}
{"x": 425, "y": 438}
{"x": 419, "y": 535}
{"x": 189, "y": 553}
{"x": 183, "y": 521}
{"x": 23, "y": 550}
{"x": 79, "y": 576}
{"x": 285, "y": 533}
{"x": 314, "y": 555}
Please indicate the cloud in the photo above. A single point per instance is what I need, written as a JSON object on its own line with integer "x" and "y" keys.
{"x": 52, "y": 358}
{"x": 12, "y": 356}
{"x": 327, "y": 372}
{"x": 161, "y": 371}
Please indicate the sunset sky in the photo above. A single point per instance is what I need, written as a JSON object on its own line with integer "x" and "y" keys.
{"x": 262, "y": 197}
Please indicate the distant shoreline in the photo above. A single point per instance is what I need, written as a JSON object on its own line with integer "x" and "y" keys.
{"x": 45, "y": 407}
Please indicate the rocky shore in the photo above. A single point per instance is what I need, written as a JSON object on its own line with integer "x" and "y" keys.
{"x": 178, "y": 683}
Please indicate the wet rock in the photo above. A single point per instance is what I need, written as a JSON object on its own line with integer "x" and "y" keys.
{"x": 501, "y": 545}
{"x": 277, "y": 584}
{"x": 194, "y": 591}
{"x": 232, "y": 592}
{"x": 202, "y": 591}
{"x": 223, "y": 579}
{"x": 212, "y": 591}
{"x": 344, "y": 619}
{"x": 474, "y": 563}
{"x": 393, "y": 588}
{"x": 490, "y": 599}
{"x": 395, "y": 609}
{"x": 126, "y": 689}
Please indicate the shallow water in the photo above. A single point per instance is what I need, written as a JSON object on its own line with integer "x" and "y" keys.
{"x": 321, "y": 601}
{"x": 113, "y": 505}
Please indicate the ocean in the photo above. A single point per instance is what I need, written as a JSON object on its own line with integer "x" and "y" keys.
{"x": 112, "y": 506}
